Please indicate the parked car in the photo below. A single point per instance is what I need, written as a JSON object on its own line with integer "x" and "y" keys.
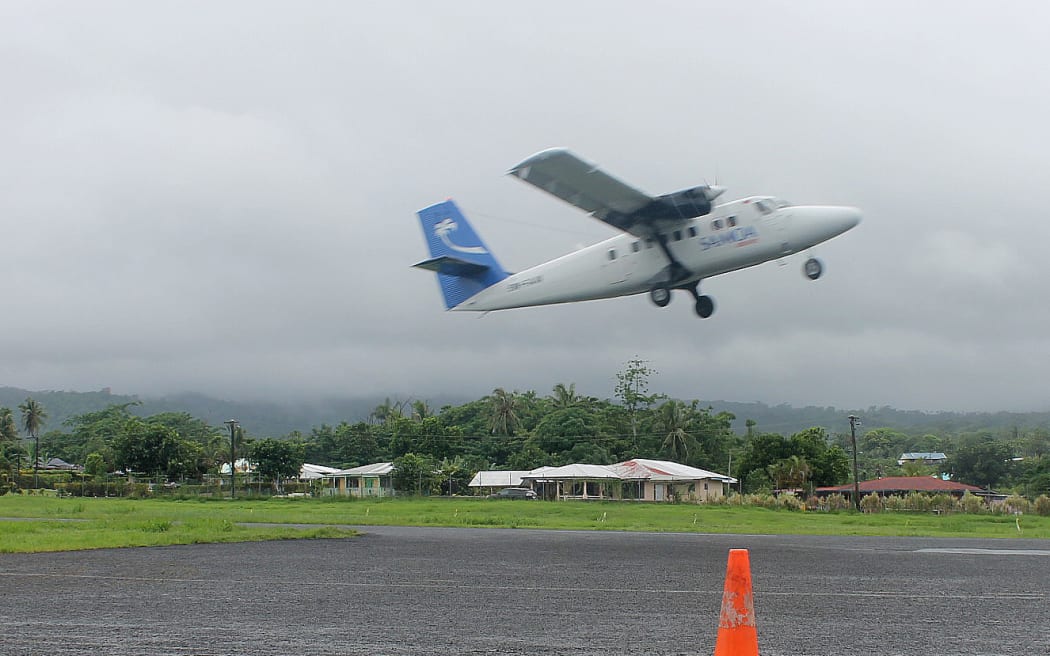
{"x": 514, "y": 493}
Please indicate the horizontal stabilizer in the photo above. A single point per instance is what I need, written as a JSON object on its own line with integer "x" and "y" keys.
{"x": 462, "y": 262}
{"x": 452, "y": 266}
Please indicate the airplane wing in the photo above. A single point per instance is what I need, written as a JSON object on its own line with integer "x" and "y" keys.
{"x": 581, "y": 183}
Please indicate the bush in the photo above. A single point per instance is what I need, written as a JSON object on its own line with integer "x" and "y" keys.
{"x": 1042, "y": 506}
{"x": 1015, "y": 503}
{"x": 836, "y": 502}
{"x": 871, "y": 503}
{"x": 790, "y": 502}
{"x": 971, "y": 504}
{"x": 896, "y": 503}
{"x": 942, "y": 502}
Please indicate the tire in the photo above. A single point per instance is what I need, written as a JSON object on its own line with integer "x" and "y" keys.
{"x": 813, "y": 269}
{"x": 705, "y": 306}
{"x": 660, "y": 296}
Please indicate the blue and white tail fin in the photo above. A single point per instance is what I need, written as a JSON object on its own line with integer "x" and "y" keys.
{"x": 460, "y": 259}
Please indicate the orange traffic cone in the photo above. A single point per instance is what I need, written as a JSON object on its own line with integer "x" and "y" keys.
{"x": 737, "y": 635}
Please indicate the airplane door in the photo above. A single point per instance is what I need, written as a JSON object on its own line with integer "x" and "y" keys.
{"x": 780, "y": 222}
{"x": 617, "y": 268}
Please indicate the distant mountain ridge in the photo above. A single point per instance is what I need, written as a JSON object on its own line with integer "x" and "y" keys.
{"x": 275, "y": 419}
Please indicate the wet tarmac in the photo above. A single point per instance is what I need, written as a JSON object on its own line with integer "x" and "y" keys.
{"x": 476, "y": 591}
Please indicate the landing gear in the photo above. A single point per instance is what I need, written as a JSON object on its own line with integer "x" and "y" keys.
{"x": 661, "y": 296}
{"x": 705, "y": 305}
{"x": 813, "y": 268}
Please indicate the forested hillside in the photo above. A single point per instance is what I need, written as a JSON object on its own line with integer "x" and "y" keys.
{"x": 524, "y": 430}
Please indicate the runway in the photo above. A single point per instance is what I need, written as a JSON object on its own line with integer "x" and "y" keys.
{"x": 510, "y": 591}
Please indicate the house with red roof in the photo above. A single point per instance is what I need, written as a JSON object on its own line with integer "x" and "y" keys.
{"x": 903, "y": 485}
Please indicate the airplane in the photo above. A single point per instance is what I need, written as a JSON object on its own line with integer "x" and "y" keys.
{"x": 669, "y": 242}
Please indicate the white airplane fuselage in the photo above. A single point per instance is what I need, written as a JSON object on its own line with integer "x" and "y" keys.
{"x": 734, "y": 235}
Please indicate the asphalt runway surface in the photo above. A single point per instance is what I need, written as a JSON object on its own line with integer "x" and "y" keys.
{"x": 478, "y": 591}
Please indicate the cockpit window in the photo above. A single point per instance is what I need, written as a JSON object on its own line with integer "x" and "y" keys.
{"x": 763, "y": 206}
{"x": 781, "y": 203}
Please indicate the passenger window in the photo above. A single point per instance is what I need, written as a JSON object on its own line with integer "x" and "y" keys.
{"x": 678, "y": 235}
{"x": 612, "y": 253}
{"x": 692, "y": 231}
{"x": 731, "y": 221}
{"x": 717, "y": 224}
{"x": 635, "y": 247}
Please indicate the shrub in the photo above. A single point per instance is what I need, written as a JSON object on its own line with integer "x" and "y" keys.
{"x": 871, "y": 503}
{"x": 942, "y": 502}
{"x": 895, "y": 502}
{"x": 917, "y": 502}
{"x": 762, "y": 500}
{"x": 790, "y": 502}
{"x": 836, "y": 502}
{"x": 971, "y": 504}
{"x": 1042, "y": 506}
{"x": 1015, "y": 503}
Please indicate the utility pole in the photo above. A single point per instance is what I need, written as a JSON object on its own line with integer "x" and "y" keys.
{"x": 853, "y": 421}
{"x": 232, "y": 425}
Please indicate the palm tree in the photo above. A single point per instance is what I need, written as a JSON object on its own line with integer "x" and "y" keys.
{"x": 33, "y": 417}
{"x": 387, "y": 411}
{"x": 8, "y": 429}
{"x": 504, "y": 412}
{"x": 675, "y": 419}
{"x": 565, "y": 397}
{"x": 779, "y": 471}
{"x": 421, "y": 410}
{"x": 798, "y": 470}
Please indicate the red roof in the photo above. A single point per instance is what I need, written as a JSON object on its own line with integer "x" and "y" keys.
{"x": 904, "y": 483}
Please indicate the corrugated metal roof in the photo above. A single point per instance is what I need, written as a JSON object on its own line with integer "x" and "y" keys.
{"x": 577, "y": 470}
{"x": 311, "y": 472}
{"x": 376, "y": 469}
{"x": 923, "y": 455}
{"x": 665, "y": 470}
{"x": 497, "y": 479}
{"x": 904, "y": 484}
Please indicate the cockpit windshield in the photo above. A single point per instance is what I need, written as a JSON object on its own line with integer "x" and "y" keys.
{"x": 769, "y": 205}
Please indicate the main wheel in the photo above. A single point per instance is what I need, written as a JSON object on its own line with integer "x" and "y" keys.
{"x": 705, "y": 306}
{"x": 661, "y": 296}
{"x": 813, "y": 268}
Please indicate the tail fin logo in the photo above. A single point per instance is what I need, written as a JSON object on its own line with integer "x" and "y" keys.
{"x": 446, "y": 226}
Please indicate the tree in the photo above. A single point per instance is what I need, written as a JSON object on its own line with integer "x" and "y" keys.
{"x": 33, "y": 417}
{"x": 277, "y": 459}
{"x": 915, "y": 468}
{"x": 798, "y": 471}
{"x": 8, "y": 428}
{"x": 675, "y": 420}
{"x": 415, "y": 474}
{"x": 985, "y": 462}
{"x": 95, "y": 465}
{"x": 155, "y": 449}
{"x": 632, "y": 388}
{"x": 388, "y": 411}
{"x": 421, "y": 410}
{"x": 504, "y": 412}
{"x": 565, "y": 397}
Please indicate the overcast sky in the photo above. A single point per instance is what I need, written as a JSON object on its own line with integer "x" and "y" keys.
{"x": 221, "y": 197}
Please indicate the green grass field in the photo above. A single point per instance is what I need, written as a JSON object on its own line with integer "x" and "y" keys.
{"x": 53, "y": 524}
